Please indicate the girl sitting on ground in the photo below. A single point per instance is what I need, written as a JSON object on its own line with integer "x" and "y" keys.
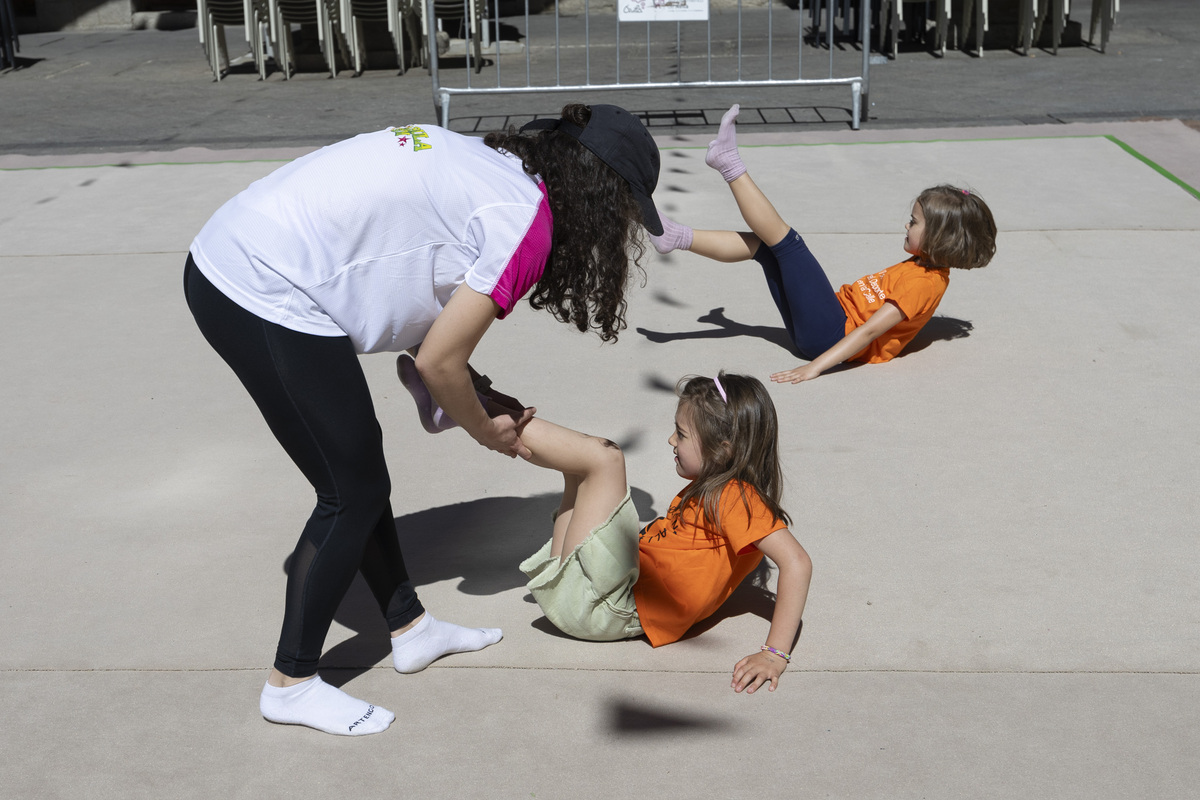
{"x": 598, "y": 578}
{"x": 870, "y": 320}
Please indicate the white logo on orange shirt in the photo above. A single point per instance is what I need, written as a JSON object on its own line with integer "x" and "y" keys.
{"x": 862, "y": 287}
{"x": 875, "y": 285}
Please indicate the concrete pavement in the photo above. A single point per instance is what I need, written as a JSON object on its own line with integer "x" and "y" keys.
{"x": 1002, "y": 521}
{"x": 159, "y": 80}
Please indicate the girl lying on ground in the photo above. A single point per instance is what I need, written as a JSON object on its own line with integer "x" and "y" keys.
{"x": 870, "y": 320}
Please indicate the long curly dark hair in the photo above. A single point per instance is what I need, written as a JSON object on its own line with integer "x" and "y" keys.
{"x": 597, "y": 227}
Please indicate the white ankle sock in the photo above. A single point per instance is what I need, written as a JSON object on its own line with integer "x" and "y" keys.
{"x": 414, "y": 650}
{"x": 327, "y": 708}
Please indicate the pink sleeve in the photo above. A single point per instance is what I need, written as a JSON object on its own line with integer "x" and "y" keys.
{"x": 528, "y": 262}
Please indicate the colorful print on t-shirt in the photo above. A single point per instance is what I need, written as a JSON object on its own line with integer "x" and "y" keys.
{"x": 414, "y": 134}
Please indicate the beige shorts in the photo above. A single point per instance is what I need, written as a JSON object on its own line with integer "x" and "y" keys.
{"x": 589, "y": 595}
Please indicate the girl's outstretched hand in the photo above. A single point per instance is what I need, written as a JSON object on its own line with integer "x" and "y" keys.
{"x": 804, "y": 372}
{"x": 755, "y": 670}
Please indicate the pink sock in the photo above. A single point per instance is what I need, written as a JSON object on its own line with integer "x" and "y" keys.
{"x": 431, "y": 415}
{"x": 433, "y": 419}
{"x": 722, "y": 151}
{"x": 674, "y": 236}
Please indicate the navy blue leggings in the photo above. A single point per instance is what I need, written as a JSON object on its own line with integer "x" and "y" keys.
{"x": 312, "y": 392}
{"x": 810, "y": 309}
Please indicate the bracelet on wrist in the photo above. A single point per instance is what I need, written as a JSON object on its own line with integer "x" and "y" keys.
{"x": 766, "y": 648}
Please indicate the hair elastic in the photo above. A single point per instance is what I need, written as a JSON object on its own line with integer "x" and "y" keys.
{"x": 721, "y": 390}
{"x": 966, "y": 192}
{"x": 766, "y": 648}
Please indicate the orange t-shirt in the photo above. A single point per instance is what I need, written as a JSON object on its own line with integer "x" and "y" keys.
{"x": 687, "y": 569}
{"x": 915, "y": 290}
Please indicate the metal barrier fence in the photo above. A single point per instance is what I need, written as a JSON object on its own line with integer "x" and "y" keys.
{"x": 670, "y": 44}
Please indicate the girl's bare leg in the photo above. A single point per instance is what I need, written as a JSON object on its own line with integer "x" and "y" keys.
{"x": 593, "y": 475}
{"x": 566, "y": 512}
{"x": 758, "y": 211}
{"x": 726, "y": 246}
{"x": 759, "y": 214}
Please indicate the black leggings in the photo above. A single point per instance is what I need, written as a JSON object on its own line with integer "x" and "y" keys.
{"x": 312, "y": 392}
{"x": 806, "y": 300}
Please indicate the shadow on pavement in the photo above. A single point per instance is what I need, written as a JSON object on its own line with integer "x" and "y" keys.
{"x": 725, "y": 329}
{"x": 633, "y": 716}
{"x": 752, "y": 596}
{"x": 480, "y": 542}
{"x": 937, "y": 329}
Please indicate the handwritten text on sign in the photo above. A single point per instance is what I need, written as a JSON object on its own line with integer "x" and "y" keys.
{"x": 662, "y": 10}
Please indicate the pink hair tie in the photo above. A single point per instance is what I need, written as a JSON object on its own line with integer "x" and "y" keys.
{"x": 966, "y": 192}
{"x": 721, "y": 390}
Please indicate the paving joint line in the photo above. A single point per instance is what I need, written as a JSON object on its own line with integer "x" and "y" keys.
{"x": 813, "y": 671}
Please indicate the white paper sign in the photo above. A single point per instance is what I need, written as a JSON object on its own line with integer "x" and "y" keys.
{"x": 662, "y": 10}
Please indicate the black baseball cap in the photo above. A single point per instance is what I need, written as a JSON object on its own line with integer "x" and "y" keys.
{"x": 621, "y": 141}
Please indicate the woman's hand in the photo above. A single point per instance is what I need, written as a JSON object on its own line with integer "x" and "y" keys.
{"x": 443, "y": 362}
{"x": 503, "y": 434}
{"x": 755, "y": 670}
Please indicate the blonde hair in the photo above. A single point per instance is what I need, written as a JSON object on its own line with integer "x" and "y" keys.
{"x": 959, "y": 229}
{"x": 739, "y": 441}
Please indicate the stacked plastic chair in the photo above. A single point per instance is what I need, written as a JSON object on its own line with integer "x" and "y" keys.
{"x": 1027, "y": 16}
{"x": 826, "y": 24}
{"x": 890, "y": 25}
{"x": 1105, "y": 13}
{"x": 1057, "y": 11}
{"x": 470, "y": 11}
{"x": 213, "y": 16}
{"x": 9, "y": 44}
{"x": 401, "y": 18}
{"x": 286, "y": 13}
{"x": 1035, "y": 12}
{"x": 974, "y": 19}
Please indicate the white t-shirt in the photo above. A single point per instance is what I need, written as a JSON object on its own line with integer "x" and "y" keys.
{"x": 369, "y": 237}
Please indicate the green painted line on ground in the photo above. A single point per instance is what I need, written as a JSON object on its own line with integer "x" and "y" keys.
{"x": 1160, "y": 170}
{"x": 1128, "y": 149}
{"x": 911, "y": 141}
{"x": 153, "y": 164}
{"x": 1124, "y": 146}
